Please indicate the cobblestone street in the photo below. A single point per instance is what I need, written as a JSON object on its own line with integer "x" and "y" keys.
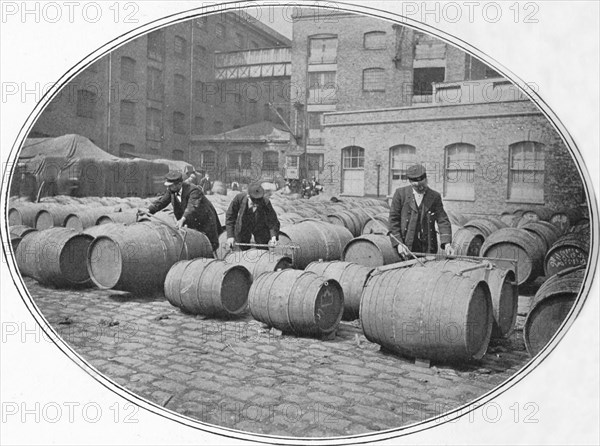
{"x": 239, "y": 374}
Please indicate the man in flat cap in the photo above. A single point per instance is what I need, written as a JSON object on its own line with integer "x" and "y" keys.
{"x": 413, "y": 213}
{"x": 190, "y": 206}
{"x": 251, "y": 214}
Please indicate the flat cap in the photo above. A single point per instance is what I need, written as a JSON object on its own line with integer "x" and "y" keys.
{"x": 415, "y": 172}
{"x": 256, "y": 191}
{"x": 173, "y": 177}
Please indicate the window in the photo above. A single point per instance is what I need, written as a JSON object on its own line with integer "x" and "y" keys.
{"x": 127, "y": 113}
{"x": 198, "y": 125}
{"x": 156, "y": 45}
{"x": 314, "y": 120}
{"x": 218, "y": 127}
{"x": 155, "y": 84}
{"x": 316, "y": 161}
{"x": 220, "y": 32}
{"x": 459, "y": 178}
{"x": 154, "y": 124}
{"x": 374, "y": 79}
{"x": 353, "y": 158}
{"x": 322, "y": 87}
{"x": 270, "y": 161}
{"x": 200, "y": 53}
{"x": 526, "y": 174}
{"x": 239, "y": 40}
{"x": 179, "y": 123}
{"x": 424, "y": 77}
{"x": 86, "y": 103}
{"x": 201, "y": 22}
{"x": 322, "y": 50}
{"x": 179, "y": 85}
{"x": 180, "y": 47}
{"x": 374, "y": 40}
{"x": 239, "y": 160}
{"x": 177, "y": 155}
{"x": 401, "y": 158}
{"x": 127, "y": 69}
{"x": 126, "y": 150}
{"x": 207, "y": 160}
{"x": 321, "y": 79}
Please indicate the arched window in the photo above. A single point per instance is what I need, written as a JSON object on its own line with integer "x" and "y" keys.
{"x": 526, "y": 173}
{"x": 459, "y": 178}
{"x": 401, "y": 158}
{"x": 374, "y": 40}
{"x": 374, "y": 79}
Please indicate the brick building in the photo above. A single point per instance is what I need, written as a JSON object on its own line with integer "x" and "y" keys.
{"x": 379, "y": 97}
{"x": 149, "y": 96}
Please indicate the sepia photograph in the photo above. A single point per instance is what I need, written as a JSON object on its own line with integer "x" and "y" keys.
{"x": 295, "y": 223}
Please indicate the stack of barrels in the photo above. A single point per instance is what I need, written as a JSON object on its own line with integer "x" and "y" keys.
{"x": 333, "y": 261}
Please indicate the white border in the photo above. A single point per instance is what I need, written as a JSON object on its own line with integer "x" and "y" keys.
{"x": 560, "y": 55}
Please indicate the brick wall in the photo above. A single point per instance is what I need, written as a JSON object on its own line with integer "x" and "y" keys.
{"x": 491, "y": 128}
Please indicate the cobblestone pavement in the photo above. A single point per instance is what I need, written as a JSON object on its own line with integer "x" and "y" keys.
{"x": 238, "y": 374}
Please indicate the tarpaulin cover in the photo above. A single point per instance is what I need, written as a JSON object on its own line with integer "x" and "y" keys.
{"x": 73, "y": 165}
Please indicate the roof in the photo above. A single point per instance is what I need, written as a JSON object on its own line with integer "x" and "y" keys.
{"x": 260, "y": 132}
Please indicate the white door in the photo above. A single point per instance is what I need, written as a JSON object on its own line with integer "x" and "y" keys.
{"x": 353, "y": 171}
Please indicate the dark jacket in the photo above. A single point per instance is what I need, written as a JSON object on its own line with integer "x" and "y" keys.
{"x": 403, "y": 219}
{"x": 198, "y": 211}
{"x": 205, "y": 184}
{"x": 267, "y": 223}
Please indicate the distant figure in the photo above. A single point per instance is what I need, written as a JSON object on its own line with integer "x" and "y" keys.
{"x": 315, "y": 186}
{"x": 194, "y": 178}
{"x": 305, "y": 189}
{"x": 235, "y": 186}
{"x": 206, "y": 184}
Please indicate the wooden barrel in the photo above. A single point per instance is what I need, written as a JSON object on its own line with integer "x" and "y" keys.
{"x": 423, "y": 313}
{"x": 353, "y": 220}
{"x": 21, "y": 230}
{"x": 24, "y": 214}
{"x": 125, "y": 217}
{"x": 380, "y": 226}
{"x": 299, "y": 302}
{"x": 55, "y": 216}
{"x": 371, "y": 250}
{"x": 55, "y": 256}
{"x": 520, "y": 245}
{"x": 106, "y": 229}
{"x": 510, "y": 220}
{"x": 582, "y": 227}
{"x": 569, "y": 250}
{"x": 547, "y": 232}
{"x": 138, "y": 258}
{"x": 258, "y": 261}
{"x": 467, "y": 242}
{"x": 208, "y": 286}
{"x": 456, "y": 218}
{"x": 482, "y": 226}
{"x": 316, "y": 240}
{"x": 537, "y": 214}
{"x": 565, "y": 218}
{"x": 503, "y": 290}
{"x": 351, "y": 277}
{"x": 550, "y": 306}
{"x": 86, "y": 218}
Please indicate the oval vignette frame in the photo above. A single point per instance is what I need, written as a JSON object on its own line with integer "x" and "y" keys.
{"x": 400, "y": 431}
